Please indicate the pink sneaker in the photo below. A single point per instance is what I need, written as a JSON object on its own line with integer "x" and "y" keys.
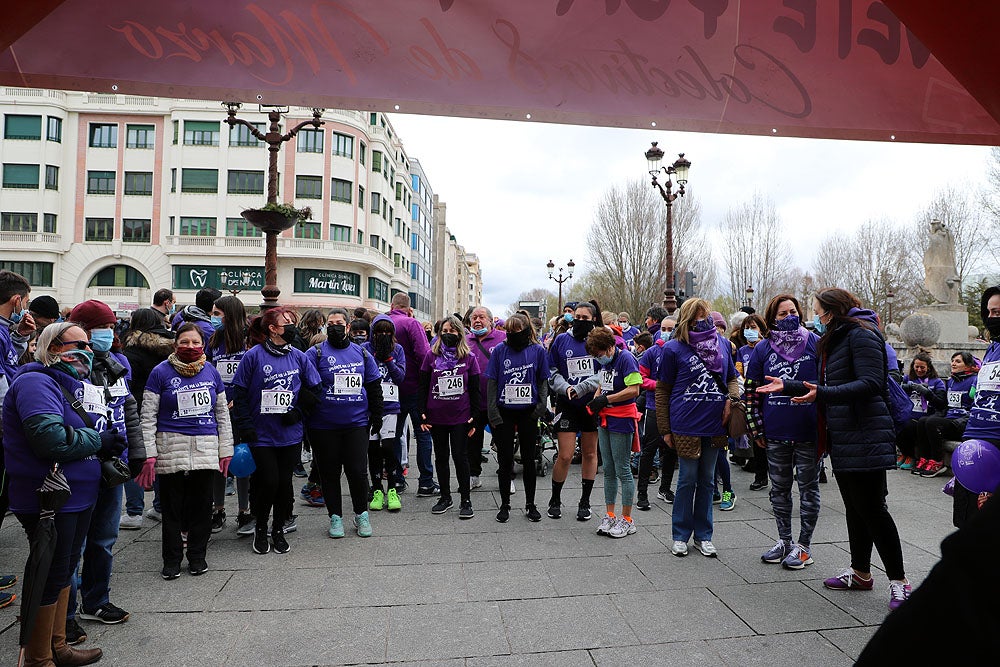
{"x": 848, "y": 581}
{"x": 898, "y": 594}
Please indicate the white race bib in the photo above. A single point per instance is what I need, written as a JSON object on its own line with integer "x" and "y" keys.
{"x": 93, "y": 399}
{"x": 955, "y": 399}
{"x": 517, "y": 394}
{"x": 227, "y": 369}
{"x": 194, "y": 402}
{"x": 989, "y": 377}
{"x": 607, "y": 381}
{"x": 275, "y": 401}
{"x": 390, "y": 392}
{"x": 580, "y": 367}
{"x": 451, "y": 385}
{"x": 119, "y": 389}
{"x": 347, "y": 384}
{"x": 918, "y": 404}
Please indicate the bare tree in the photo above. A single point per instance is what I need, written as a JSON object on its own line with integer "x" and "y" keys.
{"x": 550, "y": 298}
{"x": 968, "y": 222}
{"x": 755, "y": 250}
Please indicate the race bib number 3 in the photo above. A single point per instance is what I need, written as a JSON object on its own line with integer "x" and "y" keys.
{"x": 347, "y": 384}
{"x": 390, "y": 392}
{"x": 580, "y": 367}
{"x": 517, "y": 394}
{"x": 227, "y": 369}
{"x": 194, "y": 402}
{"x": 452, "y": 385}
{"x": 989, "y": 377}
{"x": 275, "y": 401}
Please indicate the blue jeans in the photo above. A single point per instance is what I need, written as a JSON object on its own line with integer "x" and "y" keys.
{"x": 616, "y": 452}
{"x": 135, "y": 498}
{"x": 425, "y": 445}
{"x": 97, "y": 557}
{"x": 692, "y": 513}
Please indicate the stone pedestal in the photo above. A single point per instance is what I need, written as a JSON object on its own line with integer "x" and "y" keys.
{"x": 954, "y": 321}
{"x": 942, "y": 330}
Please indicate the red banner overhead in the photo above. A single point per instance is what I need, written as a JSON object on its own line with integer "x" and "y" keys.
{"x": 836, "y": 68}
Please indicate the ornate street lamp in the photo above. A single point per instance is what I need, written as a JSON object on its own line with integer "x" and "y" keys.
{"x": 889, "y": 299}
{"x": 271, "y": 223}
{"x": 569, "y": 274}
{"x": 678, "y": 169}
{"x": 749, "y": 299}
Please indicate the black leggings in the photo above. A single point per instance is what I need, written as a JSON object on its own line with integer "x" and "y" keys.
{"x": 272, "y": 483}
{"x": 869, "y": 522}
{"x": 71, "y": 531}
{"x": 342, "y": 450}
{"x": 475, "y": 446}
{"x": 186, "y": 504}
{"x": 937, "y": 430}
{"x": 526, "y": 425}
{"x": 651, "y": 442}
{"x": 456, "y": 438}
{"x": 912, "y": 439}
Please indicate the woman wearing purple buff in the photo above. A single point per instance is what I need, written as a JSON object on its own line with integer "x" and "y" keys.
{"x": 856, "y": 427}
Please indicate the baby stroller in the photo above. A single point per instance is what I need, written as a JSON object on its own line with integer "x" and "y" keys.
{"x": 546, "y": 442}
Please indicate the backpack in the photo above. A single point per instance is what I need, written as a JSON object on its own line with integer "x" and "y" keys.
{"x": 898, "y": 401}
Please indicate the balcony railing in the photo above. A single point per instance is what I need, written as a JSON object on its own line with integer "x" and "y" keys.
{"x": 41, "y": 238}
{"x": 297, "y": 247}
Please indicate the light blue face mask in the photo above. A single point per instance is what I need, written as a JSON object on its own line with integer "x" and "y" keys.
{"x": 481, "y": 332}
{"x": 216, "y": 322}
{"x": 665, "y": 335}
{"x": 818, "y": 326}
{"x": 752, "y": 335}
{"x": 568, "y": 317}
{"x": 604, "y": 361}
{"x": 101, "y": 340}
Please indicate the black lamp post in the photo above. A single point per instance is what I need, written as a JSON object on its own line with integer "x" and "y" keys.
{"x": 679, "y": 169}
{"x": 749, "y": 299}
{"x": 561, "y": 279}
{"x": 272, "y": 227}
{"x": 889, "y": 298}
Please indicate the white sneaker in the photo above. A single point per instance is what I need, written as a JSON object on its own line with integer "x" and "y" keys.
{"x": 474, "y": 482}
{"x": 706, "y": 548}
{"x": 513, "y": 489}
{"x": 679, "y": 548}
{"x": 154, "y": 515}
{"x": 607, "y": 523}
{"x": 129, "y": 522}
{"x": 622, "y": 528}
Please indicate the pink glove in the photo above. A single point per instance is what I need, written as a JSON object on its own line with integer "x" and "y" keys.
{"x": 148, "y": 474}
{"x": 224, "y": 465}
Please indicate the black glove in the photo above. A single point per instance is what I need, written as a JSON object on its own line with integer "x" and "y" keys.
{"x": 135, "y": 467}
{"x": 293, "y": 416}
{"x": 248, "y": 435}
{"x": 921, "y": 389}
{"x": 112, "y": 445}
{"x": 375, "y": 424}
{"x": 597, "y": 404}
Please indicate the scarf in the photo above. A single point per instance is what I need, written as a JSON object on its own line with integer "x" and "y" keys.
{"x": 447, "y": 359}
{"x": 706, "y": 346}
{"x": 188, "y": 370}
{"x": 789, "y": 344}
{"x": 277, "y": 350}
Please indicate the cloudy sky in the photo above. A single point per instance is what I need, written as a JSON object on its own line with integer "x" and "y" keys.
{"x": 521, "y": 193}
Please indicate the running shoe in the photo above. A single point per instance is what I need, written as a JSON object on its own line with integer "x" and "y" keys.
{"x": 758, "y": 483}
{"x": 475, "y": 482}
{"x": 583, "y": 513}
{"x": 260, "y": 543}
{"x": 666, "y": 496}
{"x": 555, "y": 510}
{"x": 900, "y": 460}
{"x": 442, "y": 505}
{"x": 934, "y": 468}
{"x": 129, "y": 522}
{"x": 7, "y": 599}
{"x": 919, "y": 468}
{"x": 305, "y": 490}
{"x": 679, "y": 548}
{"x": 230, "y": 486}
{"x": 107, "y": 613}
{"x": 622, "y": 528}
{"x": 7, "y": 580}
{"x": 777, "y": 553}
{"x": 907, "y": 463}
{"x": 706, "y": 548}
{"x": 503, "y": 516}
{"x": 797, "y": 559}
{"x": 643, "y": 503}
{"x": 291, "y": 524}
{"x": 532, "y": 513}
{"x": 197, "y": 568}
{"x": 604, "y": 528}
{"x": 716, "y": 497}
{"x": 378, "y": 501}
{"x": 849, "y": 581}
{"x": 245, "y": 524}
{"x": 392, "y": 501}
{"x": 728, "y": 501}
{"x": 300, "y": 471}
{"x": 279, "y": 542}
{"x": 336, "y": 527}
{"x": 218, "y": 521}
{"x": 465, "y": 510}
{"x": 154, "y": 515}
{"x": 428, "y": 491}
{"x": 77, "y": 635}
{"x": 363, "y": 525}
{"x": 315, "y": 497}
{"x": 169, "y": 572}
{"x": 898, "y": 594}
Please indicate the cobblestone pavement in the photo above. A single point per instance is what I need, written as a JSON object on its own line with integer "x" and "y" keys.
{"x": 436, "y": 590}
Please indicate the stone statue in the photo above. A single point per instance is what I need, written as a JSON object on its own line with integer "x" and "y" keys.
{"x": 940, "y": 275}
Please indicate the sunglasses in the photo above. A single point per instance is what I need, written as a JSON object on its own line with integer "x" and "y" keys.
{"x": 79, "y": 344}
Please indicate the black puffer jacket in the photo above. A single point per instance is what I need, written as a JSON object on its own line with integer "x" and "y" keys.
{"x": 144, "y": 350}
{"x": 860, "y": 435}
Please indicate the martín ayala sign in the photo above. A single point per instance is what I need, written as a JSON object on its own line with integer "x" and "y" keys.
{"x": 341, "y": 283}
{"x": 225, "y": 278}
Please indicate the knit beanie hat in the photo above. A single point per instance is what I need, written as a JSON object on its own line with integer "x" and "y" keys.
{"x": 92, "y": 314}
{"x": 45, "y": 306}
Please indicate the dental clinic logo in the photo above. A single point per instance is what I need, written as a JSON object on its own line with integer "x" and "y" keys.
{"x": 198, "y": 277}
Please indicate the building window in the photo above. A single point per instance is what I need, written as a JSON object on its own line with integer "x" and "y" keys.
{"x": 100, "y": 182}
{"x": 340, "y": 233}
{"x": 308, "y": 230}
{"x": 310, "y": 141}
{"x": 38, "y": 274}
{"x": 361, "y": 152}
{"x": 373, "y": 118}
{"x": 139, "y": 183}
{"x": 119, "y": 276}
{"x": 240, "y": 135}
{"x": 22, "y": 127}
{"x": 49, "y": 223}
{"x": 173, "y": 180}
{"x": 240, "y": 227}
{"x": 384, "y": 206}
{"x": 378, "y": 290}
{"x": 373, "y": 240}
{"x": 361, "y": 197}
{"x": 341, "y": 190}
{"x": 103, "y": 135}
{"x": 361, "y": 237}
{"x": 200, "y": 180}
{"x": 245, "y": 182}
{"x": 343, "y": 145}
{"x": 376, "y": 202}
{"x": 18, "y": 222}
{"x": 136, "y": 230}
{"x": 177, "y": 129}
{"x": 54, "y": 131}
{"x": 309, "y": 187}
{"x": 383, "y": 247}
{"x": 51, "y": 177}
{"x": 376, "y": 161}
{"x": 20, "y": 176}
{"x": 197, "y": 227}
{"x": 140, "y": 136}
{"x": 399, "y": 190}
{"x": 201, "y": 133}
{"x": 99, "y": 229}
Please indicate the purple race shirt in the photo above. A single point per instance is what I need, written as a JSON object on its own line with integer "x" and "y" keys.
{"x": 568, "y": 357}
{"x": 187, "y": 405}
{"x": 613, "y": 376}
{"x": 273, "y": 384}
{"x": 651, "y": 359}
{"x": 226, "y": 364}
{"x": 920, "y": 405}
{"x": 34, "y": 394}
{"x": 343, "y": 374}
{"x": 393, "y": 372}
{"x": 960, "y": 401}
{"x": 696, "y": 399}
{"x": 448, "y": 400}
{"x": 984, "y": 418}
{"x": 518, "y": 375}
{"x": 784, "y": 420}
{"x": 482, "y": 349}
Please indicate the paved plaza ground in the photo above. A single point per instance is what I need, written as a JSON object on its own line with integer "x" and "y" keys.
{"x": 435, "y": 590}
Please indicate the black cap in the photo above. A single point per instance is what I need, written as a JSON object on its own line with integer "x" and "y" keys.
{"x": 45, "y": 306}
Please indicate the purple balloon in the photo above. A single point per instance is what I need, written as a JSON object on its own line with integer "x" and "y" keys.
{"x": 976, "y": 464}
{"x": 949, "y": 488}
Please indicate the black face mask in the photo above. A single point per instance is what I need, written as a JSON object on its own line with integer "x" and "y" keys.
{"x": 382, "y": 343}
{"x": 581, "y": 328}
{"x": 359, "y": 339}
{"x": 449, "y": 339}
{"x": 993, "y": 326}
{"x": 518, "y": 340}
{"x": 336, "y": 333}
{"x": 288, "y": 333}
